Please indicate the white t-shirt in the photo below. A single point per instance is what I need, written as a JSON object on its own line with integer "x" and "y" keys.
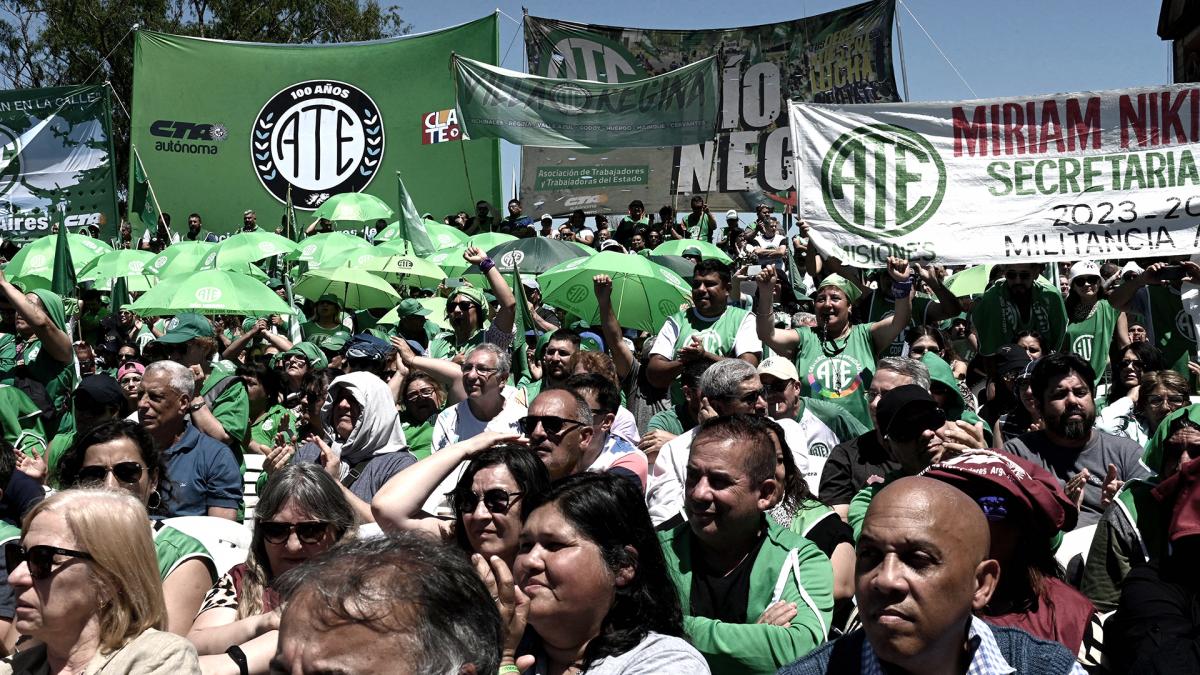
{"x": 818, "y": 441}
{"x": 457, "y": 423}
{"x": 745, "y": 341}
{"x": 763, "y": 241}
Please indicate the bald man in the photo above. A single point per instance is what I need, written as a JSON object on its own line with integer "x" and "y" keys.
{"x": 922, "y": 572}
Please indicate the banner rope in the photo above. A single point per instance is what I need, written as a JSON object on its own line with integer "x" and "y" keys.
{"x": 938, "y": 48}
{"x": 110, "y": 52}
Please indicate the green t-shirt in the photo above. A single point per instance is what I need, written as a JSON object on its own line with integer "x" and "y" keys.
{"x": 232, "y": 405}
{"x": 698, "y": 228}
{"x": 997, "y": 319}
{"x": 718, "y": 335}
{"x": 1174, "y": 334}
{"x": 1091, "y": 338}
{"x": 275, "y": 420}
{"x": 443, "y": 346}
{"x": 419, "y": 437}
{"x": 8, "y": 351}
{"x": 881, "y": 308}
{"x": 316, "y": 334}
{"x": 668, "y": 420}
{"x": 837, "y": 371}
{"x": 173, "y": 548}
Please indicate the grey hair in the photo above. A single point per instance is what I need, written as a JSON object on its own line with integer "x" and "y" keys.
{"x": 405, "y": 587}
{"x": 503, "y": 358}
{"x": 179, "y": 376}
{"x": 722, "y": 378}
{"x": 910, "y": 368}
{"x": 582, "y": 412}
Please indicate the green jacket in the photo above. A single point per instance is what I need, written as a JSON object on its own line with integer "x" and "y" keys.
{"x": 788, "y": 568}
{"x": 941, "y": 372}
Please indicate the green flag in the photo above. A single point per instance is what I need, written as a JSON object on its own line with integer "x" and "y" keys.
{"x": 142, "y": 202}
{"x": 795, "y": 274}
{"x": 679, "y": 107}
{"x": 118, "y": 296}
{"x": 63, "y": 281}
{"x": 522, "y": 324}
{"x": 412, "y": 225}
{"x": 290, "y": 229}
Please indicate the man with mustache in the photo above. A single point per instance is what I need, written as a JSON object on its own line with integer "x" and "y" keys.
{"x": 1091, "y": 464}
{"x": 922, "y": 572}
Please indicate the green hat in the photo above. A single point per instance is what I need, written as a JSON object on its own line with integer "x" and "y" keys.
{"x": 692, "y": 250}
{"x": 274, "y": 284}
{"x": 330, "y": 297}
{"x": 312, "y": 353}
{"x": 411, "y": 307}
{"x": 843, "y": 284}
{"x": 185, "y": 327}
{"x": 248, "y": 323}
{"x": 588, "y": 344}
{"x": 334, "y": 343}
{"x": 473, "y": 294}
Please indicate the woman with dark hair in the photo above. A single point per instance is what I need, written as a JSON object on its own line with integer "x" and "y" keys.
{"x": 120, "y": 455}
{"x": 498, "y": 475}
{"x": 1132, "y": 362}
{"x": 1033, "y": 343}
{"x": 593, "y": 584}
{"x": 927, "y": 338}
{"x": 422, "y": 398}
{"x": 265, "y": 389}
{"x": 300, "y": 514}
{"x": 1092, "y": 320}
{"x": 1165, "y": 392}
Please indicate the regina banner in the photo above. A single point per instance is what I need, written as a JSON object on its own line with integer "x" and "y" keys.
{"x": 55, "y": 154}
{"x": 222, "y": 127}
{"x": 1088, "y": 175}
{"x": 844, "y": 56}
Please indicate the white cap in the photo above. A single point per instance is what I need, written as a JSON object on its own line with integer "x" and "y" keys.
{"x": 1083, "y": 268}
{"x": 1131, "y": 266}
{"x": 546, "y": 216}
{"x": 529, "y": 282}
{"x": 731, "y": 214}
{"x": 778, "y": 366}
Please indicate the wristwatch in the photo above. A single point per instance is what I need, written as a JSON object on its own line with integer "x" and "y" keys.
{"x": 197, "y": 404}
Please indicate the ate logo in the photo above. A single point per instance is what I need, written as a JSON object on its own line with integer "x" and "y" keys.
{"x": 321, "y": 137}
{"x": 10, "y": 160}
{"x": 818, "y": 450}
{"x": 882, "y": 180}
{"x": 711, "y": 340}
{"x": 208, "y": 295}
{"x": 1185, "y": 325}
{"x": 834, "y": 377}
{"x": 1083, "y": 346}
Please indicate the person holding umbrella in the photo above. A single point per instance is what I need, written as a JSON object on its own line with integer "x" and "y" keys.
{"x": 467, "y": 311}
{"x": 45, "y": 353}
{"x": 326, "y": 323}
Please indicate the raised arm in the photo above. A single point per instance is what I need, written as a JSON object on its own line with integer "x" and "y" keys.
{"x": 55, "y": 341}
{"x": 884, "y": 331}
{"x": 239, "y": 343}
{"x": 621, "y": 355}
{"x": 444, "y": 371}
{"x": 397, "y": 505}
{"x": 507, "y": 314}
{"x": 782, "y": 342}
{"x": 947, "y": 305}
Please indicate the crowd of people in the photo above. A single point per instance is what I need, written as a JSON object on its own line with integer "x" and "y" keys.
{"x": 811, "y": 468}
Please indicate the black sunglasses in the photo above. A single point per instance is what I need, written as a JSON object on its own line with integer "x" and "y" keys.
{"x": 308, "y": 532}
{"x": 749, "y": 398}
{"x": 1093, "y": 281}
{"x": 912, "y": 429}
{"x": 495, "y": 500}
{"x": 126, "y": 472}
{"x": 40, "y": 558}
{"x": 464, "y": 305}
{"x": 553, "y": 425}
{"x": 776, "y": 387}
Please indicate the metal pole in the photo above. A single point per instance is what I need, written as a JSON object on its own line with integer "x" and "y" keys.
{"x": 903, "y": 65}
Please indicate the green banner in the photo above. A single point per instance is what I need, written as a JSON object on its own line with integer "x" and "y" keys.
{"x": 843, "y": 56}
{"x": 222, "y": 127}
{"x": 55, "y": 150}
{"x": 676, "y": 108}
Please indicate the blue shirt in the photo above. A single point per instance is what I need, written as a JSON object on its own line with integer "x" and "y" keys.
{"x": 202, "y": 473}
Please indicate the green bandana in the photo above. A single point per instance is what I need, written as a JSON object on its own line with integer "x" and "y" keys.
{"x": 843, "y": 284}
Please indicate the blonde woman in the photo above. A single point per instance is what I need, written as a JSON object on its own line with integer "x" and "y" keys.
{"x": 88, "y": 590}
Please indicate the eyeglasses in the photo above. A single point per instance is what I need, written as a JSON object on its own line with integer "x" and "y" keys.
{"x": 911, "y": 429}
{"x": 125, "y": 472}
{"x": 750, "y": 397}
{"x": 428, "y": 392}
{"x": 126, "y": 357}
{"x": 1157, "y": 400}
{"x": 463, "y": 305}
{"x": 495, "y": 500}
{"x": 40, "y": 558}
{"x": 295, "y": 357}
{"x": 482, "y": 370}
{"x": 1131, "y": 363}
{"x": 1088, "y": 281}
{"x": 1013, "y": 275}
{"x": 551, "y": 424}
{"x": 308, "y": 532}
{"x": 777, "y": 387}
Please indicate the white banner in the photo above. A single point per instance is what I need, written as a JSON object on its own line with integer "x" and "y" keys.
{"x": 1090, "y": 175}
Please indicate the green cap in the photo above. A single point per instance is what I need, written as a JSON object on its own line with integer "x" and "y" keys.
{"x": 334, "y": 343}
{"x": 692, "y": 250}
{"x": 312, "y": 353}
{"x": 185, "y": 327}
{"x": 588, "y": 344}
{"x": 411, "y": 307}
{"x": 330, "y": 297}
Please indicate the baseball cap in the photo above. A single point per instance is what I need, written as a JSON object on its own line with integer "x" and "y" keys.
{"x": 130, "y": 367}
{"x": 906, "y": 411}
{"x": 1011, "y": 357}
{"x": 779, "y": 367}
{"x": 692, "y": 250}
{"x": 546, "y": 216}
{"x": 1131, "y": 267}
{"x": 612, "y": 245}
{"x": 530, "y": 282}
{"x": 311, "y": 353}
{"x": 410, "y": 307}
{"x": 367, "y": 346}
{"x": 186, "y": 326}
{"x": 330, "y": 297}
{"x": 731, "y": 214}
{"x": 1083, "y": 268}
{"x": 101, "y": 390}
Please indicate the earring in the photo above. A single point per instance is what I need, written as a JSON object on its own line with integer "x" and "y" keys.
{"x": 154, "y": 500}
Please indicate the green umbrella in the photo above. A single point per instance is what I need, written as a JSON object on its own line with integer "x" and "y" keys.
{"x": 320, "y": 250}
{"x": 356, "y": 206}
{"x": 407, "y": 270}
{"x": 450, "y": 261}
{"x": 354, "y": 288}
{"x": 247, "y": 247}
{"x": 489, "y": 240}
{"x": 36, "y": 259}
{"x": 442, "y": 236}
{"x": 114, "y": 264}
{"x": 134, "y": 283}
{"x": 644, "y": 293}
{"x": 677, "y": 264}
{"x": 533, "y": 255}
{"x": 678, "y": 246}
{"x": 971, "y": 281}
{"x": 213, "y": 291}
{"x": 181, "y": 258}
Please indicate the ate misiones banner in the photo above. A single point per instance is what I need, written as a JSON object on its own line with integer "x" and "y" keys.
{"x": 675, "y": 108}
{"x": 56, "y": 161}
{"x": 1088, "y": 175}
{"x": 844, "y": 56}
{"x": 222, "y": 127}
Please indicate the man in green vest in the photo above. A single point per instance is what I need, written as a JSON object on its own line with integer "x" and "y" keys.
{"x": 1022, "y": 301}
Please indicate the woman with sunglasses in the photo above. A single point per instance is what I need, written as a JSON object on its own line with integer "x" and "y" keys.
{"x": 486, "y": 498}
{"x": 88, "y": 591}
{"x": 593, "y": 583}
{"x": 300, "y": 514}
{"x": 129, "y": 376}
{"x": 1092, "y": 318}
{"x": 120, "y": 455}
{"x": 1165, "y": 391}
{"x": 1133, "y": 361}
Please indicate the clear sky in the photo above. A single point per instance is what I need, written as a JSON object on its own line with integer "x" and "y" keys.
{"x": 1004, "y": 48}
